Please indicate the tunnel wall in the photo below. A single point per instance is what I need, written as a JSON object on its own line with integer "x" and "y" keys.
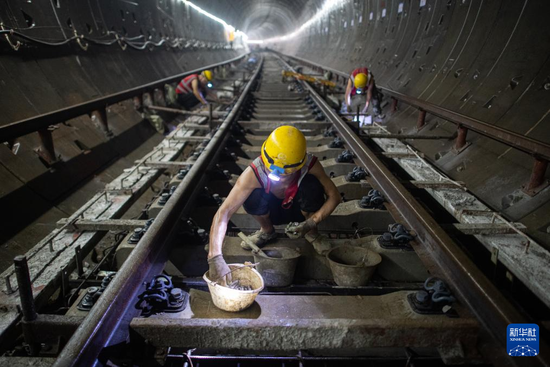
{"x": 39, "y": 78}
{"x": 484, "y": 59}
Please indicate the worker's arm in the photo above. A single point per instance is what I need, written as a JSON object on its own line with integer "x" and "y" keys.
{"x": 197, "y": 92}
{"x": 244, "y": 186}
{"x": 213, "y": 96}
{"x": 332, "y": 193}
{"x": 348, "y": 93}
{"x": 369, "y": 95}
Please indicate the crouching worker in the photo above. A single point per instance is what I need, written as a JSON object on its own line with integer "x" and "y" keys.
{"x": 285, "y": 185}
{"x": 361, "y": 90}
{"x": 194, "y": 89}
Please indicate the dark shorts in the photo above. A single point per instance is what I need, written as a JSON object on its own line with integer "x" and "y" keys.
{"x": 187, "y": 101}
{"x": 310, "y": 198}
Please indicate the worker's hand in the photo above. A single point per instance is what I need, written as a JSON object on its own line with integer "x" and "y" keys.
{"x": 218, "y": 271}
{"x": 365, "y": 109}
{"x": 348, "y": 108}
{"x": 299, "y": 230}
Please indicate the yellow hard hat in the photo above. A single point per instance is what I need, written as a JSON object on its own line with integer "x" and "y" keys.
{"x": 361, "y": 80}
{"x": 284, "y": 151}
{"x": 207, "y": 74}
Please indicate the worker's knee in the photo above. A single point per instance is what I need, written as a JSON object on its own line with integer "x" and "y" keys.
{"x": 311, "y": 194}
{"x": 257, "y": 203}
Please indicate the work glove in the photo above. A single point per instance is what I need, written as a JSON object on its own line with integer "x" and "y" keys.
{"x": 218, "y": 271}
{"x": 299, "y": 230}
{"x": 348, "y": 108}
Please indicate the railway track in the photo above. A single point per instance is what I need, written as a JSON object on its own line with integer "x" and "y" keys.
{"x": 312, "y": 321}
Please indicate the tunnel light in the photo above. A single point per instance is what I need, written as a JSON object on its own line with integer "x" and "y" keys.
{"x": 228, "y": 27}
{"x": 328, "y": 6}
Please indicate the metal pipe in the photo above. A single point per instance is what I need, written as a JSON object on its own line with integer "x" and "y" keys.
{"x": 107, "y": 315}
{"x": 294, "y": 358}
{"x": 407, "y": 136}
{"x": 394, "y": 104}
{"x": 210, "y": 115}
{"x": 101, "y": 116}
{"x": 25, "y": 288}
{"x": 138, "y": 103}
{"x": 182, "y": 112}
{"x": 481, "y": 296}
{"x": 46, "y": 150}
{"x": 461, "y": 138}
{"x": 32, "y": 124}
{"x": 537, "y": 176}
{"x": 78, "y": 259}
{"x": 421, "y": 122}
{"x": 27, "y": 301}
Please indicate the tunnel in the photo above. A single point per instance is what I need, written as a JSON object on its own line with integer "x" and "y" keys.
{"x": 140, "y": 159}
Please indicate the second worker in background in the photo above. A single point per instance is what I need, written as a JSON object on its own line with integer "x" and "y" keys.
{"x": 361, "y": 89}
{"x": 193, "y": 89}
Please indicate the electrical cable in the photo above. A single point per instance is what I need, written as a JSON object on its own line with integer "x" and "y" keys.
{"x": 122, "y": 40}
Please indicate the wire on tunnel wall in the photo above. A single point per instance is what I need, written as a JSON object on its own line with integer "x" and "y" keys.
{"x": 122, "y": 41}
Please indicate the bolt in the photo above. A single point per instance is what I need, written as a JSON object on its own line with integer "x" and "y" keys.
{"x": 422, "y": 297}
{"x": 164, "y": 198}
{"x": 136, "y": 236}
{"x": 9, "y": 289}
{"x": 176, "y": 293}
{"x": 182, "y": 173}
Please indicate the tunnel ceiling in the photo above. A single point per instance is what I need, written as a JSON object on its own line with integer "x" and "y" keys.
{"x": 262, "y": 18}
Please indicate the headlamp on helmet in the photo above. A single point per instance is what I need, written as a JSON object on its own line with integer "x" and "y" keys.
{"x": 276, "y": 173}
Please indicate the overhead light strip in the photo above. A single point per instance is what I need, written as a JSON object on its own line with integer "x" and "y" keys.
{"x": 215, "y": 18}
{"x": 328, "y": 6}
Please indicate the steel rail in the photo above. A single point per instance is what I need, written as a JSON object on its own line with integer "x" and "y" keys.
{"x": 510, "y": 138}
{"x": 484, "y": 300}
{"x": 100, "y": 324}
{"x": 32, "y": 124}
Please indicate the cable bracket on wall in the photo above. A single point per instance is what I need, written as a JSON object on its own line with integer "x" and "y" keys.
{"x": 120, "y": 41}
{"x": 79, "y": 39}
{"x": 14, "y": 46}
